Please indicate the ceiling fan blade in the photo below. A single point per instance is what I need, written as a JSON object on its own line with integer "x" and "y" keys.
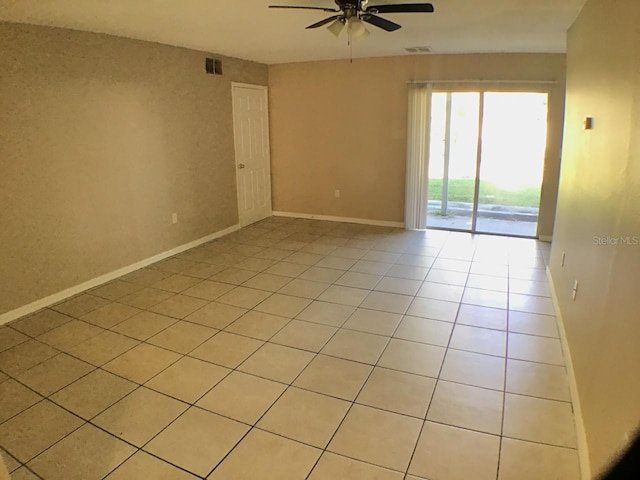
{"x": 324, "y": 9}
{"x": 402, "y": 8}
{"x": 380, "y": 22}
{"x": 324, "y": 22}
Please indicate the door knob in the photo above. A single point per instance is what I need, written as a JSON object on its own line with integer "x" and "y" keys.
{"x": 241, "y": 166}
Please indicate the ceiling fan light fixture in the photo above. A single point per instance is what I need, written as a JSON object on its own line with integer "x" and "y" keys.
{"x": 364, "y": 34}
{"x": 336, "y": 27}
{"x": 356, "y": 28}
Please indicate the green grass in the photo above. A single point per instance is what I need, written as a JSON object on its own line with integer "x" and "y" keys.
{"x": 461, "y": 190}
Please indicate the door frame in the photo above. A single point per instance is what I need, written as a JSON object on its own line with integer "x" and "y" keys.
{"x": 482, "y": 90}
{"x": 265, "y": 89}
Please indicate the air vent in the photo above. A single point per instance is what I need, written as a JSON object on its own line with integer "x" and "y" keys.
{"x": 213, "y": 66}
{"x": 418, "y": 49}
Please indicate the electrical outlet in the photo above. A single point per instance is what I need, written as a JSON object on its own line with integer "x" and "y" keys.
{"x": 564, "y": 254}
{"x": 174, "y": 218}
{"x": 574, "y": 292}
{"x": 337, "y": 193}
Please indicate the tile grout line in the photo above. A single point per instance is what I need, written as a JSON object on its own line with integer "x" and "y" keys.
{"x": 337, "y": 329}
{"x": 433, "y": 393}
{"x": 290, "y": 385}
{"x": 506, "y": 366}
{"x": 193, "y": 405}
{"x": 228, "y": 374}
{"x": 138, "y": 386}
{"x": 353, "y": 402}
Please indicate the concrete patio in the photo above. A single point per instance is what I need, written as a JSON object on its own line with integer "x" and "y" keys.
{"x": 503, "y": 219}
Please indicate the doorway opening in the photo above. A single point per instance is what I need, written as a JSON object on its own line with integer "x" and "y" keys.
{"x": 486, "y": 161}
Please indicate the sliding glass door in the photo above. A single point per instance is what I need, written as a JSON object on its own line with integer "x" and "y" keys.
{"x": 514, "y": 137}
{"x": 486, "y": 161}
{"x": 452, "y": 160}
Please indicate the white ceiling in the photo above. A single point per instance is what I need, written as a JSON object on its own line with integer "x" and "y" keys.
{"x": 249, "y": 30}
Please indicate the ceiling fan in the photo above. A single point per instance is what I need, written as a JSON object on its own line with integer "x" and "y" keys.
{"x": 351, "y": 13}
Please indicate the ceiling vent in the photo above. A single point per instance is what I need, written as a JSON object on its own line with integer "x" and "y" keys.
{"x": 418, "y": 49}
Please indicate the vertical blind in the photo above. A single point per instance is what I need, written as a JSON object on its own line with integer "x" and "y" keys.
{"x": 418, "y": 133}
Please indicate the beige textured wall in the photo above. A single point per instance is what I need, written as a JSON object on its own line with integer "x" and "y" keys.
{"x": 337, "y": 125}
{"x": 101, "y": 139}
{"x": 600, "y": 196}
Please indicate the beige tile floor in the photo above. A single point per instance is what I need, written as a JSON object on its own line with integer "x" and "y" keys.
{"x": 298, "y": 349}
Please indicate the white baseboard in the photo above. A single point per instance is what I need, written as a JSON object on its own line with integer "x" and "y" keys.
{"x": 583, "y": 447}
{"x": 329, "y": 218}
{"x": 107, "y": 277}
{"x": 545, "y": 238}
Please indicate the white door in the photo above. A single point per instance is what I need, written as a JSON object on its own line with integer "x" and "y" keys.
{"x": 251, "y": 133}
